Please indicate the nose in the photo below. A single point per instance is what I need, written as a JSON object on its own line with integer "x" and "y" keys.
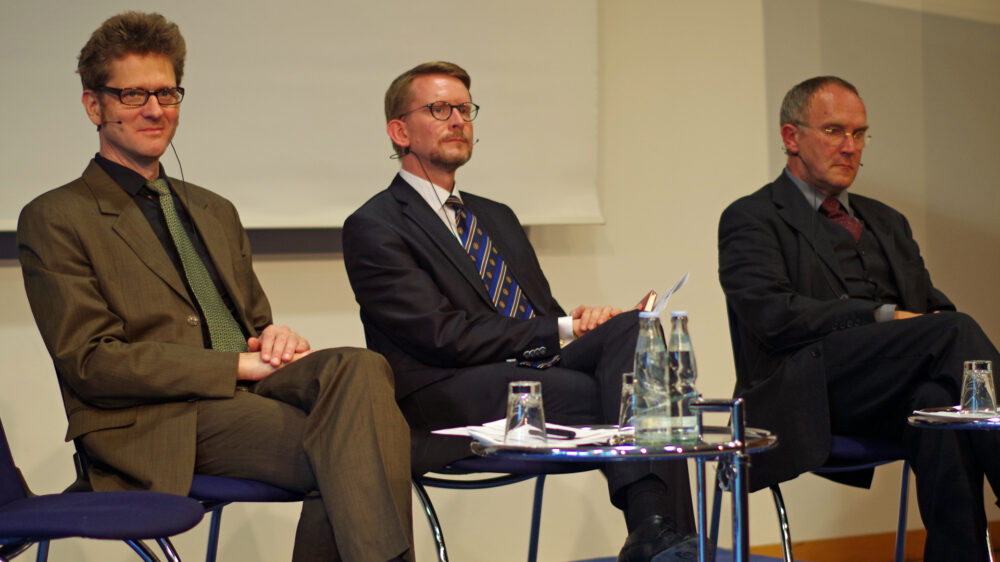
{"x": 455, "y": 119}
{"x": 849, "y": 145}
{"x": 152, "y": 109}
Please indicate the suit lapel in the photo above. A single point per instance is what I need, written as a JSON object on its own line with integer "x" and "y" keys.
{"x": 214, "y": 236}
{"x": 132, "y": 227}
{"x": 884, "y": 233}
{"x": 416, "y": 210}
{"x": 796, "y": 212}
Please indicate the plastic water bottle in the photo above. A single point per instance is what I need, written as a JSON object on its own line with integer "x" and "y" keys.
{"x": 652, "y": 392}
{"x": 682, "y": 372}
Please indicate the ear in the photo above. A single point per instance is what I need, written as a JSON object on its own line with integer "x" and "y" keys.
{"x": 396, "y": 130}
{"x": 790, "y": 136}
{"x": 92, "y": 105}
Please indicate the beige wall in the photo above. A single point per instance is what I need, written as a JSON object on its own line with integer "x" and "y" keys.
{"x": 688, "y": 97}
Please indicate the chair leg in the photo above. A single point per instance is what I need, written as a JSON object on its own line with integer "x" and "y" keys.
{"x": 536, "y": 518}
{"x": 904, "y": 496}
{"x": 214, "y": 527}
{"x": 43, "y": 552}
{"x": 786, "y": 534}
{"x": 432, "y": 520}
{"x": 716, "y": 513}
{"x": 142, "y": 550}
{"x": 168, "y": 549}
{"x": 989, "y": 544}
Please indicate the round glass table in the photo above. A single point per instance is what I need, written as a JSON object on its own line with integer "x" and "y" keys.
{"x": 730, "y": 445}
{"x": 952, "y": 417}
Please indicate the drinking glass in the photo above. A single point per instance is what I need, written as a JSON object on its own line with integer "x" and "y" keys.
{"x": 525, "y": 414}
{"x": 978, "y": 395}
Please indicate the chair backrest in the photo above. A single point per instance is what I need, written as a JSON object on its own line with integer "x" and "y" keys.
{"x": 11, "y": 484}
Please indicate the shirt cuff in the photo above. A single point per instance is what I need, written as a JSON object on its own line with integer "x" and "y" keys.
{"x": 885, "y": 313}
{"x": 565, "y": 330}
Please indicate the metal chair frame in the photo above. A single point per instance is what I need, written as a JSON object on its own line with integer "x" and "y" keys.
{"x": 471, "y": 466}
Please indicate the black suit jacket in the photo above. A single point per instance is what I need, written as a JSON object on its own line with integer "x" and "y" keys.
{"x": 423, "y": 303}
{"x": 785, "y": 293}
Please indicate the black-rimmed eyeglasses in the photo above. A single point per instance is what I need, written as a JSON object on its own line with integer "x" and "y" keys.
{"x": 441, "y": 110}
{"x": 139, "y": 97}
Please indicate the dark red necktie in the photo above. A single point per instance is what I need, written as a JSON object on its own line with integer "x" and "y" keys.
{"x": 831, "y": 208}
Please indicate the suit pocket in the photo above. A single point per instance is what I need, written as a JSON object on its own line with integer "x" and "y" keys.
{"x": 82, "y": 422}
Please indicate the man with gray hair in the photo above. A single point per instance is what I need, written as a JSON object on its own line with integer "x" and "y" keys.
{"x": 838, "y": 329}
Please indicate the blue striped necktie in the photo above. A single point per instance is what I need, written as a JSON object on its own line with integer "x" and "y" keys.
{"x": 500, "y": 283}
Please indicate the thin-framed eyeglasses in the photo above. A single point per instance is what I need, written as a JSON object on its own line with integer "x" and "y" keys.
{"x": 441, "y": 110}
{"x": 835, "y": 134}
{"x": 138, "y": 97}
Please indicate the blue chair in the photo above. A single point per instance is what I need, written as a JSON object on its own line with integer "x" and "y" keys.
{"x": 847, "y": 454}
{"x": 213, "y": 492}
{"x": 26, "y": 519}
{"x": 510, "y": 472}
{"x": 216, "y": 492}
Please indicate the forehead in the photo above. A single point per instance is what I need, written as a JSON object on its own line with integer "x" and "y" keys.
{"x": 433, "y": 87}
{"x": 836, "y": 104}
{"x": 148, "y": 70}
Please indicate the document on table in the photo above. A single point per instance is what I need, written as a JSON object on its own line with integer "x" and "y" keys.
{"x": 556, "y": 435}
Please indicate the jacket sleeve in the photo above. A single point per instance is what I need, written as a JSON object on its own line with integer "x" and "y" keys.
{"x": 401, "y": 293}
{"x": 118, "y": 336}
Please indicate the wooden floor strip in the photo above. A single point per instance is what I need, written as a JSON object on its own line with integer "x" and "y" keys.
{"x": 861, "y": 548}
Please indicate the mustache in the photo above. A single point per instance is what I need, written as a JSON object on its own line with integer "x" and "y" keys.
{"x": 460, "y": 136}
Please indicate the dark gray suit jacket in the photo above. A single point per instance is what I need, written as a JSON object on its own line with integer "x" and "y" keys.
{"x": 423, "y": 303}
{"x": 785, "y": 292}
{"x": 121, "y": 328}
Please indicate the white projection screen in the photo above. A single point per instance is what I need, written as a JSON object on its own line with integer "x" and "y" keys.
{"x": 283, "y": 113}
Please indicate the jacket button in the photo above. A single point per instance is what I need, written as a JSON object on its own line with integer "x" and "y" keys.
{"x": 192, "y": 320}
{"x": 814, "y": 353}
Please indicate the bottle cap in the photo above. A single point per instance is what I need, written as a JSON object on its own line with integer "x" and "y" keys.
{"x": 648, "y": 314}
{"x": 679, "y": 314}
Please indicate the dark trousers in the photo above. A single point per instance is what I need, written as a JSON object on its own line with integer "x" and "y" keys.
{"x": 585, "y": 388}
{"x": 878, "y": 374}
{"x": 328, "y": 426}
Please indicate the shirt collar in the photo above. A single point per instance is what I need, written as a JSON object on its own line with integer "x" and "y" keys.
{"x": 433, "y": 194}
{"x": 126, "y": 178}
{"x": 814, "y": 197}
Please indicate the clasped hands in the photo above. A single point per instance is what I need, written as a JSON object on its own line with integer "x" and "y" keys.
{"x": 276, "y": 347}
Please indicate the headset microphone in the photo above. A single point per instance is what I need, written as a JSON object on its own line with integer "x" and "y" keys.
{"x": 108, "y": 123}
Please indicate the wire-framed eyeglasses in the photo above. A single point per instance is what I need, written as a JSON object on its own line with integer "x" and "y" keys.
{"x": 835, "y": 134}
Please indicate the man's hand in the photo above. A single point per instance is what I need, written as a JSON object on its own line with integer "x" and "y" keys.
{"x": 586, "y": 318}
{"x": 253, "y": 368}
{"x": 277, "y": 345}
{"x": 904, "y": 314}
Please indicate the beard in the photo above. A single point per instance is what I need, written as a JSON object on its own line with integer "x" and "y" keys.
{"x": 451, "y": 159}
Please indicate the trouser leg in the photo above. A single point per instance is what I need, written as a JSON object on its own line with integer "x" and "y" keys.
{"x": 878, "y": 374}
{"x": 252, "y": 437}
{"x": 348, "y": 433}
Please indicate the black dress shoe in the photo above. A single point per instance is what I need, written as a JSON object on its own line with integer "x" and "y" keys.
{"x": 655, "y": 540}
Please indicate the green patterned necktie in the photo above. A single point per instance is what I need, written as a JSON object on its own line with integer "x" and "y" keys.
{"x": 222, "y": 327}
